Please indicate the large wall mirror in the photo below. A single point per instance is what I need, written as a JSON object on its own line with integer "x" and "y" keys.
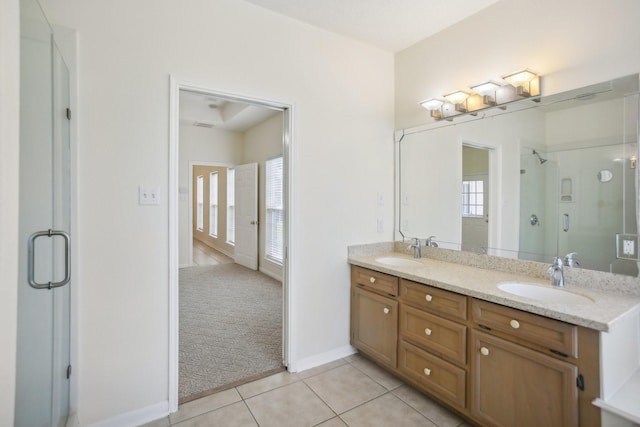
{"x": 542, "y": 178}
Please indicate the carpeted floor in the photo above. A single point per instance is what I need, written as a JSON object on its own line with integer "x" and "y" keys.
{"x": 230, "y": 328}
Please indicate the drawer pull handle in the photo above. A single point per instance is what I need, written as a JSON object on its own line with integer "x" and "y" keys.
{"x": 386, "y": 310}
{"x": 484, "y": 351}
{"x": 427, "y": 331}
{"x": 372, "y": 279}
{"x": 427, "y": 371}
{"x": 514, "y": 324}
{"x": 428, "y": 297}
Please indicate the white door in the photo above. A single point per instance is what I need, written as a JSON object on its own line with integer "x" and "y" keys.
{"x": 42, "y": 384}
{"x": 246, "y": 215}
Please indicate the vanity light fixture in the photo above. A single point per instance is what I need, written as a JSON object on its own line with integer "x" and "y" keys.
{"x": 458, "y": 99}
{"x": 526, "y": 82}
{"x": 488, "y": 91}
{"x": 434, "y": 105}
{"x": 492, "y": 93}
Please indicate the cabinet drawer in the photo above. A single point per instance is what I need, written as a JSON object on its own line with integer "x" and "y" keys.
{"x": 435, "y": 300}
{"x": 526, "y": 327}
{"x": 443, "y": 336}
{"x": 374, "y": 280}
{"x": 441, "y": 378}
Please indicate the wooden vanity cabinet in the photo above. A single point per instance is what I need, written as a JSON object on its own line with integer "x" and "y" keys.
{"x": 494, "y": 365}
{"x": 374, "y": 315}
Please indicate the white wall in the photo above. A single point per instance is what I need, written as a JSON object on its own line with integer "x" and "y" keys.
{"x": 263, "y": 142}
{"x": 198, "y": 144}
{"x": 9, "y": 186}
{"x": 572, "y": 43}
{"x": 342, "y": 92}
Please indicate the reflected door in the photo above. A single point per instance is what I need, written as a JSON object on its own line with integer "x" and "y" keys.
{"x": 42, "y": 385}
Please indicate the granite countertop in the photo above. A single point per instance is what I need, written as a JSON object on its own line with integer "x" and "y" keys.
{"x": 481, "y": 283}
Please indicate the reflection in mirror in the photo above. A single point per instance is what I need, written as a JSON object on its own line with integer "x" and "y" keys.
{"x": 561, "y": 178}
{"x": 475, "y": 199}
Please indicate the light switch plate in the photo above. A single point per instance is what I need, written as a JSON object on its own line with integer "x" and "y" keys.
{"x": 148, "y": 195}
{"x": 627, "y": 246}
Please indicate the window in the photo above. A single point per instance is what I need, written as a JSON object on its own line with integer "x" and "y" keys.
{"x": 200, "y": 202}
{"x": 231, "y": 205}
{"x": 213, "y": 204}
{"x": 473, "y": 199}
{"x": 275, "y": 211}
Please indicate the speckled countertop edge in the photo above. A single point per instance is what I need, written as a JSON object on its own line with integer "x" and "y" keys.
{"x": 481, "y": 283}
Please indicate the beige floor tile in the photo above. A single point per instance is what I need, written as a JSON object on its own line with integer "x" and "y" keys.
{"x": 321, "y": 369}
{"x": 333, "y": 422}
{"x": 266, "y": 384}
{"x": 385, "y": 411}
{"x": 292, "y": 405}
{"x": 376, "y": 373}
{"x": 162, "y": 422}
{"x": 427, "y": 407}
{"x": 344, "y": 388}
{"x": 205, "y": 404}
{"x": 236, "y": 415}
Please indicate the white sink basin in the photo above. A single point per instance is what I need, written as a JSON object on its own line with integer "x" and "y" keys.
{"x": 398, "y": 262}
{"x": 542, "y": 293}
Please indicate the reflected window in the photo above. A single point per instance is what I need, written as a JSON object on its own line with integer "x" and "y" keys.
{"x": 472, "y": 199}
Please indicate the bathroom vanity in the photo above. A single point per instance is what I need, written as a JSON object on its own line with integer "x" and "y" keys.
{"x": 496, "y": 358}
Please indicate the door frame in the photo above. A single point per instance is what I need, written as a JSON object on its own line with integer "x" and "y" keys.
{"x": 288, "y": 342}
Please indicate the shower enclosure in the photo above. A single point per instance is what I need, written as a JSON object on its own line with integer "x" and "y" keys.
{"x": 584, "y": 194}
{"x": 43, "y": 367}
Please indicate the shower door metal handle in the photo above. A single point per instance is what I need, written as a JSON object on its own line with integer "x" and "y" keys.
{"x": 31, "y": 260}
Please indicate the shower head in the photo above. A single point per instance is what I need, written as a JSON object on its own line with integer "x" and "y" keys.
{"x": 540, "y": 159}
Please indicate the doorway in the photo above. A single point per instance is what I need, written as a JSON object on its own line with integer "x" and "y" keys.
{"x": 475, "y": 199}
{"x": 229, "y": 163}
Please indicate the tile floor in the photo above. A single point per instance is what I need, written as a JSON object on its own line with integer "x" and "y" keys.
{"x": 349, "y": 392}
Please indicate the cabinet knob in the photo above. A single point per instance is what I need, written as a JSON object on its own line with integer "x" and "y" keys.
{"x": 386, "y": 310}
{"x": 427, "y": 371}
{"x": 484, "y": 351}
{"x": 514, "y": 324}
{"x": 372, "y": 279}
{"x": 427, "y": 331}
{"x": 428, "y": 297}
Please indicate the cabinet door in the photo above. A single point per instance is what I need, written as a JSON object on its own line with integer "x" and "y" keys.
{"x": 375, "y": 325}
{"x": 515, "y": 386}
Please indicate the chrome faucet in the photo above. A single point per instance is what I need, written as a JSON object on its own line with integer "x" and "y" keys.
{"x": 556, "y": 272}
{"x": 431, "y": 243}
{"x": 417, "y": 247}
{"x": 570, "y": 261}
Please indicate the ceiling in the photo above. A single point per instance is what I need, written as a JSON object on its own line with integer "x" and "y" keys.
{"x": 208, "y": 111}
{"x": 392, "y": 25}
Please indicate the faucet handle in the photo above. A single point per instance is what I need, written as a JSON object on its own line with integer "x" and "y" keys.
{"x": 570, "y": 261}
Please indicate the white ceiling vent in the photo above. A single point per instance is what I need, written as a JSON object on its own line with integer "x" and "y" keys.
{"x": 203, "y": 124}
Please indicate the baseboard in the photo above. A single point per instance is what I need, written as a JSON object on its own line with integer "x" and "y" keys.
{"x": 322, "y": 359}
{"x": 137, "y": 417}
{"x": 270, "y": 274}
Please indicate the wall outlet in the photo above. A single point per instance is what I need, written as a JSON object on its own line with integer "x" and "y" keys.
{"x": 627, "y": 246}
{"x": 380, "y": 198}
{"x": 148, "y": 195}
{"x": 380, "y": 225}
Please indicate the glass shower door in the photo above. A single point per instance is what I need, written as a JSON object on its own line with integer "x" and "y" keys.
{"x": 42, "y": 385}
